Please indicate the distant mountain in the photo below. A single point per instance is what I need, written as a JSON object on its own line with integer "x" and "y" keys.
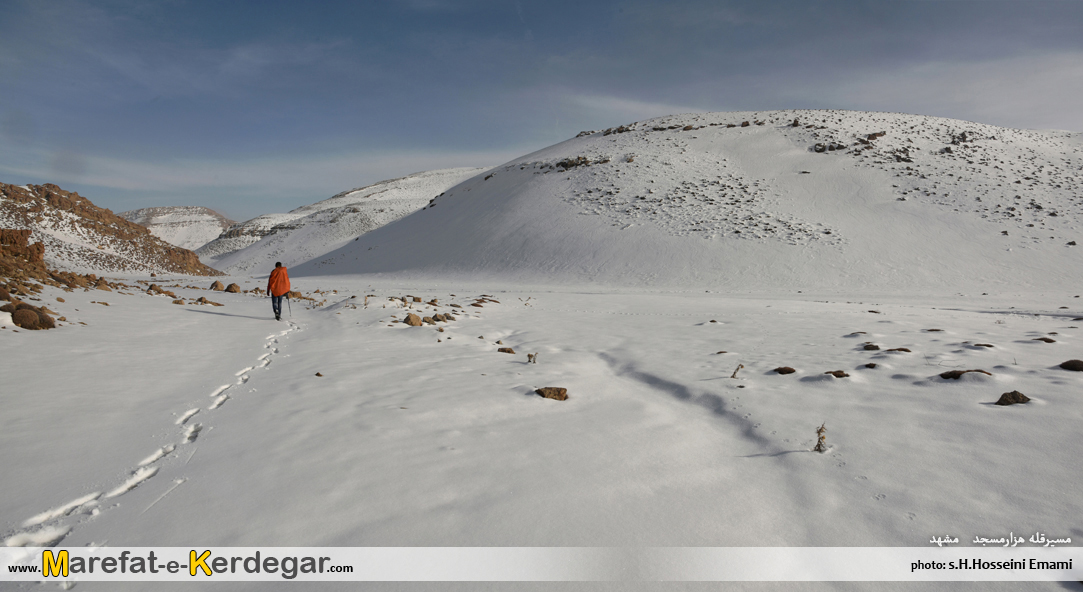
{"x": 81, "y": 237}
{"x": 766, "y": 201}
{"x": 189, "y": 227}
{"x": 312, "y": 230}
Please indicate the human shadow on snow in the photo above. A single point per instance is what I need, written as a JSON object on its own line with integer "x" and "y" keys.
{"x": 226, "y": 314}
{"x": 712, "y": 402}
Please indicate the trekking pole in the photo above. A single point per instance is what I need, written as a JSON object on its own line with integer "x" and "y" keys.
{"x": 288, "y": 305}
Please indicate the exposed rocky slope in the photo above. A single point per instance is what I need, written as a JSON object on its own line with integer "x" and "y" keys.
{"x": 758, "y": 200}
{"x": 312, "y": 230}
{"x": 78, "y": 236}
{"x": 188, "y": 227}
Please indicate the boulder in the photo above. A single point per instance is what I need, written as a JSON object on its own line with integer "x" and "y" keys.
{"x": 178, "y": 301}
{"x": 1012, "y": 398}
{"x": 413, "y": 320}
{"x": 553, "y": 392}
{"x": 871, "y": 347}
{"x": 506, "y": 350}
{"x": 955, "y": 374}
{"x": 217, "y": 286}
{"x": 26, "y": 319}
{"x": 233, "y": 289}
{"x": 784, "y": 370}
{"x": 1074, "y": 365}
{"x": 838, "y": 374}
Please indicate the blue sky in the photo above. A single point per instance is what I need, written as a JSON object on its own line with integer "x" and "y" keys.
{"x": 257, "y": 107}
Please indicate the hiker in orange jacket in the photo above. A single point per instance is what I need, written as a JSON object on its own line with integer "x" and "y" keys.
{"x": 278, "y": 285}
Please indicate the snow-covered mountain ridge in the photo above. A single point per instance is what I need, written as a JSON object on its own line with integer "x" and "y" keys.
{"x": 189, "y": 227}
{"x": 312, "y": 230}
{"x": 757, "y": 200}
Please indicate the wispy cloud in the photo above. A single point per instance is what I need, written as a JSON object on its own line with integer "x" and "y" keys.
{"x": 278, "y": 184}
{"x": 607, "y": 107}
{"x": 1038, "y": 91}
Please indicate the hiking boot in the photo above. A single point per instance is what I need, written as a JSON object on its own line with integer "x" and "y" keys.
{"x": 278, "y": 318}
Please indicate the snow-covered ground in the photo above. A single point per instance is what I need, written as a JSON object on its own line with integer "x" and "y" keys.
{"x": 163, "y": 425}
{"x": 160, "y": 425}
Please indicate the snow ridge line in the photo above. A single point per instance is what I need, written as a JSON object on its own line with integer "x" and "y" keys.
{"x": 45, "y": 529}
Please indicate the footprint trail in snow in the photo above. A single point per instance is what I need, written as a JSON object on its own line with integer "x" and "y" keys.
{"x": 51, "y": 526}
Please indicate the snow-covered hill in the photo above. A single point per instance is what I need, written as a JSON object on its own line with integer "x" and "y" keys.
{"x": 758, "y": 200}
{"x": 312, "y": 230}
{"x": 81, "y": 237}
{"x": 189, "y": 227}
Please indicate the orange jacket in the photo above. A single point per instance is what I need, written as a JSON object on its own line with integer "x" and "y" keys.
{"x": 279, "y": 282}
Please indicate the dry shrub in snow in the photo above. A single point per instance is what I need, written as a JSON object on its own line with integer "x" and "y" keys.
{"x": 821, "y": 438}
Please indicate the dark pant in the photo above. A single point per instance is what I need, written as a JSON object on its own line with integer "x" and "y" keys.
{"x": 276, "y": 304}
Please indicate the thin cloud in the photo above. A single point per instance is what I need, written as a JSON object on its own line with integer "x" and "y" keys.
{"x": 284, "y": 182}
{"x": 605, "y": 107}
{"x": 1031, "y": 91}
